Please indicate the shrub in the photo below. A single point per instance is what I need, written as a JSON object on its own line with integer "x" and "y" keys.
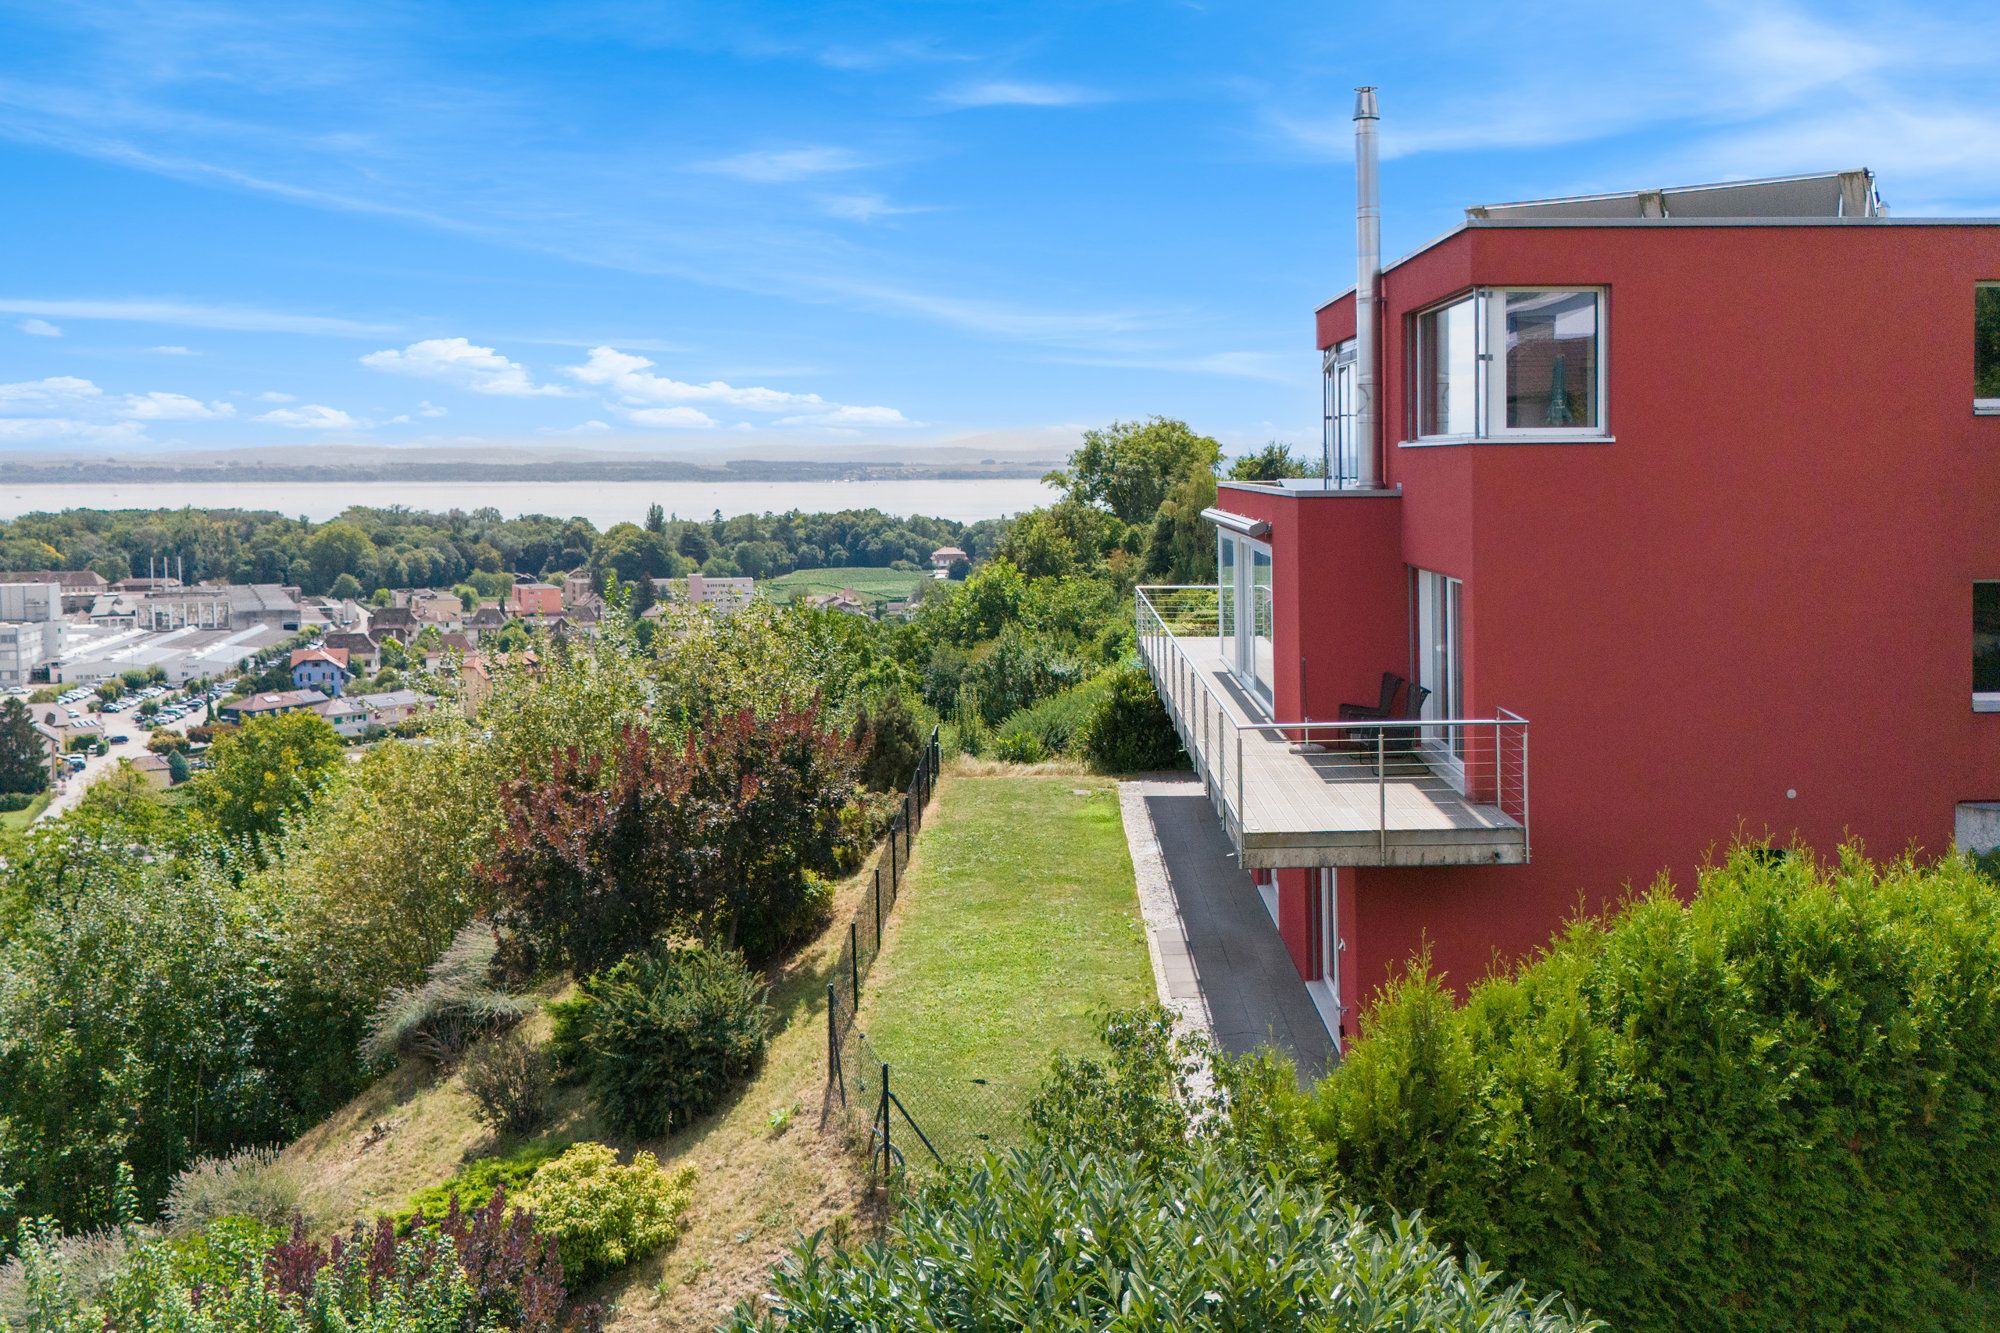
{"x": 715, "y": 835}
{"x": 15, "y": 800}
{"x": 456, "y": 1005}
{"x": 1051, "y": 727}
{"x": 475, "y": 1183}
{"x": 53, "y": 1268}
{"x": 1128, "y": 731}
{"x": 508, "y": 1079}
{"x": 1017, "y": 670}
{"x": 602, "y": 1215}
{"x": 1143, "y": 1101}
{"x": 1062, "y": 1241}
{"x": 1768, "y": 1106}
{"x": 662, "y": 1036}
{"x": 252, "y": 1183}
{"x": 887, "y": 743}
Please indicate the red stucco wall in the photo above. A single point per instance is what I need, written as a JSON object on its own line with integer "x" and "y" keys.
{"x": 1763, "y": 586}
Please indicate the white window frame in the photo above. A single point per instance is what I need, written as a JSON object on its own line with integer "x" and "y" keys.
{"x": 1985, "y": 407}
{"x": 1489, "y": 407}
{"x": 1476, "y": 298}
{"x": 1494, "y": 361}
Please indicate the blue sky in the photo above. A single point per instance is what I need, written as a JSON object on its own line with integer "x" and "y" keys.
{"x": 687, "y": 227}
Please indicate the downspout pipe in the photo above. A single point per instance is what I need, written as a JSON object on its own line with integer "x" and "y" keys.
{"x": 1368, "y": 268}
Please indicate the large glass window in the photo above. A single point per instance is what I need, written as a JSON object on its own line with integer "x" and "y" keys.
{"x": 1447, "y": 369}
{"x": 1225, "y": 587}
{"x": 1549, "y": 363}
{"x": 1243, "y": 587}
{"x": 1263, "y": 655}
{"x": 1986, "y": 347}
{"x": 1986, "y": 643}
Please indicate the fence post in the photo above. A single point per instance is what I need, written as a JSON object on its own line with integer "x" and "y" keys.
{"x": 878, "y": 906}
{"x": 885, "y": 1120}
{"x": 894, "y": 885}
{"x": 854, "y": 960}
{"x": 834, "y": 1073}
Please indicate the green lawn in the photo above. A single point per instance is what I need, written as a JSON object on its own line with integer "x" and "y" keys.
{"x": 873, "y": 585}
{"x": 15, "y": 820}
{"x": 1017, "y": 930}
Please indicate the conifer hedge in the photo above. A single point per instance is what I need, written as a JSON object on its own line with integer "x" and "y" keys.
{"x": 1773, "y": 1106}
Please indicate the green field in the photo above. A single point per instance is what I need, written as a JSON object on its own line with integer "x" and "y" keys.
{"x": 1017, "y": 931}
{"x": 873, "y": 585}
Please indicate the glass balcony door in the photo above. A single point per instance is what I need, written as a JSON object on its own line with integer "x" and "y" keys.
{"x": 1245, "y": 619}
{"x": 1439, "y": 670}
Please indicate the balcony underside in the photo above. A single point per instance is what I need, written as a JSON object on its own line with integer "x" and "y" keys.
{"x": 1300, "y": 806}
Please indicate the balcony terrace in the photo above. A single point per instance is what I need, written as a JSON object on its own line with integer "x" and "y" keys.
{"x": 1427, "y": 792}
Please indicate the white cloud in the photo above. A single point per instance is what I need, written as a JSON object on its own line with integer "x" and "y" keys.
{"x": 459, "y": 362}
{"x": 240, "y": 319}
{"x": 581, "y": 428}
{"x": 680, "y": 418}
{"x": 851, "y": 417}
{"x": 864, "y": 207}
{"x": 631, "y": 379}
{"x": 39, "y": 328}
{"x": 777, "y": 165}
{"x": 429, "y": 409}
{"x": 157, "y": 406}
{"x": 52, "y": 389}
{"x": 1003, "y": 92}
{"x": 172, "y": 350}
{"x": 313, "y": 416}
{"x": 273, "y": 396}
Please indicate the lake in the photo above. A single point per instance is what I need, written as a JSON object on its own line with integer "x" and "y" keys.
{"x": 601, "y": 502}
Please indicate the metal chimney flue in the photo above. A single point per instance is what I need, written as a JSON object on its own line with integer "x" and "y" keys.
{"x": 1368, "y": 267}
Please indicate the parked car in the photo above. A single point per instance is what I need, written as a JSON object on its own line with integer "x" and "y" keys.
{"x": 120, "y": 740}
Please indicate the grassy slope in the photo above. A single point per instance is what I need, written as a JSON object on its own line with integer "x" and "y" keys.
{"x": 874, "y": 585}
{"x": 1018, "y": 929}
{"x": 758, "y": 1188}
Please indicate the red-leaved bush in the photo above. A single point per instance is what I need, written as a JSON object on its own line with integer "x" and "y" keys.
{"x": 713, "y": 837}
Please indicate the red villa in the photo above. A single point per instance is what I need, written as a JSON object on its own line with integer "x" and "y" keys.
{"x": 1653, "y": 521}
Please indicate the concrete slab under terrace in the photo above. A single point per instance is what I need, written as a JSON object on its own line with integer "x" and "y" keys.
{"x": 1217, "y": 957}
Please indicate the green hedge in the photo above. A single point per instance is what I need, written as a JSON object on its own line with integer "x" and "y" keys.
{"x": 1128, "y": 731}
{"x": 1051, "y": 727}
{"x": 1064, "y": 1243}
{"x": 1775, "y": 1106}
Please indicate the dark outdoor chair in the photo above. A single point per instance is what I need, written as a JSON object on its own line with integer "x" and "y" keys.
{"x": 1392, "y": 685}
{"x": 1402, "y": 741}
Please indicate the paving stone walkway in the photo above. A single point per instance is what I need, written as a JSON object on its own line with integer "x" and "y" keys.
{"x": 1217, "y": 958}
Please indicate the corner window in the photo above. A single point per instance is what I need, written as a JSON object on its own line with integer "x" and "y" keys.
{"x": 1986, "y": 647}
{"x": 1523, "y": 361}
{"x": 1447, "y": 368}
{"x": 1549, "y": 360}
{"x": 1986, "y": 348}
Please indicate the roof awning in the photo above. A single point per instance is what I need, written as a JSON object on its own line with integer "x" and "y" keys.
{"x": 1239, "y": 524}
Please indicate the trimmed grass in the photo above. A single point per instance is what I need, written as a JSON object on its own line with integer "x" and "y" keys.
{"x": 872, "y": 584}
{"x": 13, "y": 821}
{"x": 1017, "y": 931}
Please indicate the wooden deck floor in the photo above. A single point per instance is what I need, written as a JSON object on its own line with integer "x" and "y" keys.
{"x": 1296, "y": 804}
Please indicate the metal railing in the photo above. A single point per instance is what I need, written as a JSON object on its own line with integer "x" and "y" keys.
{"x": 1479, "y": 761}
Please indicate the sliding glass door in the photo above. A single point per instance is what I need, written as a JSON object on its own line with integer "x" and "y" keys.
{"x": 1439, "y": 671}
{"x": 1245, "y": 613}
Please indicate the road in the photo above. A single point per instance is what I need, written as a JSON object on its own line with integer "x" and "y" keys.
{"x": 71, "y": 789}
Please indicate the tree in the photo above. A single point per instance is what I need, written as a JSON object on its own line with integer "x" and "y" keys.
{"x": 177, "y": 767}
{"x": 346, "y": 587}
{"x": 1128, "y": 466}
{"x": 1274, "y": 462}
{"x": 656, "y": 519}
{"x": 265, "y": 771}
{"x": 1181, "y": 547}
{"x": 24, "y": 763}
{"x": 1037, "y": 546}
{"x": 338, "y": 548}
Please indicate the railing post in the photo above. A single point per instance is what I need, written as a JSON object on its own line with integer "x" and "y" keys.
{"x": 1527, "y": 833}
{"x": 1239, "y": 785}
{"x": 1382, "y": 789}
{"x": 854, "y": 960}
